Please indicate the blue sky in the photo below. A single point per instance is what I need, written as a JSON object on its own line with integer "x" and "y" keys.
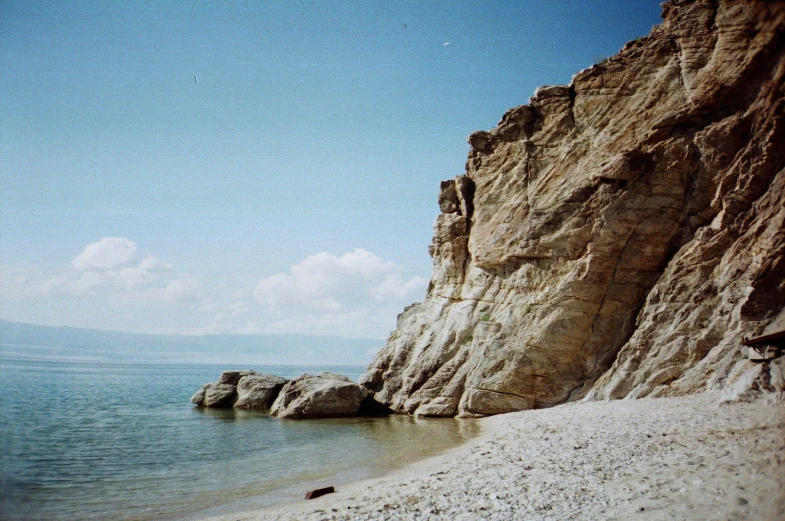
{"x": 291, "y": 188}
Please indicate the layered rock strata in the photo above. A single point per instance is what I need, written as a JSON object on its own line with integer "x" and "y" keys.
{"x": 616, "y": 237}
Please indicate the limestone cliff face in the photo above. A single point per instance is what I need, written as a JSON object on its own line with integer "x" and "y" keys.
{"x": 616, "y": 236}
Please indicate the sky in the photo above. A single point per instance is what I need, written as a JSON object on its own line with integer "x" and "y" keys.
{"x": 255, "y": 167}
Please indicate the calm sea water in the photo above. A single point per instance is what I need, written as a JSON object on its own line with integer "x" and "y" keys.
{"x": 94, "y": 441}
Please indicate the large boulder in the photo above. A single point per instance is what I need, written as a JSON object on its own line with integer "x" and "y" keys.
{"x": 198, "y": 397}
{"x": 319, "y": 396}
{"x": 234, "y": 377}
{"x": 258, "y": 391}
{"x": 215, "y": 395}
{"x": 223, "y": 393}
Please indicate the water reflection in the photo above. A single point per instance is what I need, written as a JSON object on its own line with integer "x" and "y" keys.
{"x": 230, "y": 413}
{"x": 123, "y": 442}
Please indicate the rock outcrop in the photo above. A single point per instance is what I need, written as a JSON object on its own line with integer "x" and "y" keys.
{"x": 240, "y": 389}
{"x": 216, "y": 395}
{"x": 617, "y": 236}
{"x": 326, "y": 395}
{"x": 258, "y": 391}
{"x": 319, "y": 396}
{"x": 234, "y": 377}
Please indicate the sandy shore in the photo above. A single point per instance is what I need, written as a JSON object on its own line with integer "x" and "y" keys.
{"x": 670, "y": 458}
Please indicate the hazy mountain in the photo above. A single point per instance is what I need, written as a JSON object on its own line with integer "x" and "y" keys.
{"x": 19, "y": 340}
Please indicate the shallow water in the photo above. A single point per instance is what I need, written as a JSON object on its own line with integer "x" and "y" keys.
{"x": 121, "y": 441}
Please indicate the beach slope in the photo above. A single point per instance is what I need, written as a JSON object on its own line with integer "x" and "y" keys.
{"x": 686, "y": 458}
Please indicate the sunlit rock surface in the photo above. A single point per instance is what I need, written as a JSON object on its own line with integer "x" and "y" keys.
{"x": 240, "y": 389}
{"x": 319, "y": 396}
{"x": 258, "y": 391}
{"x": 616, "y": 237}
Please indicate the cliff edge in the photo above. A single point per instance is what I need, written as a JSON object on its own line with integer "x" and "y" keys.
{"x": 617, "y": 236}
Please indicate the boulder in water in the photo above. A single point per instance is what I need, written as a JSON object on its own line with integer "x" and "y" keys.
{"x": 258, "y": 391}
{"x": 221, "y": 394}
{"x": 217, "y": 395}
{"x": 233, "y": 377}
{"x": 319, "y": 396}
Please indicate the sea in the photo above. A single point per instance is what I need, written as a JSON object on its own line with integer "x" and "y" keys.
{"x": 121, "y": 441}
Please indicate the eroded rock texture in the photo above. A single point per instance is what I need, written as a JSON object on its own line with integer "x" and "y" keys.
{"x": 241, "y": 390}
{"x": 615, "y": 237}
{"x": 319, "y": 396}
{"x": 258, "y": 391}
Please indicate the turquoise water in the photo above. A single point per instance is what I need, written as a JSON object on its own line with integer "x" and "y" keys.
{"x": 121, "y": 441}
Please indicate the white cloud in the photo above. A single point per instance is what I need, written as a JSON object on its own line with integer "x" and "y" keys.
{"x": 112, "y": 284}
{"x": 147, "y": 272}
{"x": 325, "y": 281}
{"x": 394, "y": 287}
{"x": 184, "y": 288}
{"x": 107, "y": 253}
{"x": 107, "y": 267}
{"x": 355, "y": 294}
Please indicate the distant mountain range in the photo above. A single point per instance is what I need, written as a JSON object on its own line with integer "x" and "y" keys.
{"x": 28, "y": 341}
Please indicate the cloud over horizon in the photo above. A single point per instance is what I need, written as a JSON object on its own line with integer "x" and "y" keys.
{"x": 107, "y": 253}
{"x": 330, "y": 294}
{"x": 110, "y": 265}
{"x": 355, "y": 294}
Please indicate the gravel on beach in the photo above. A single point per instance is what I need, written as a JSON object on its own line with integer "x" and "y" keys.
{"x": 686, "y": 458}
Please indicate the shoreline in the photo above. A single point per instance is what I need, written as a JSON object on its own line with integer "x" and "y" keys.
{"x": 292, "y": 494}
{"x": 652, "y": 458}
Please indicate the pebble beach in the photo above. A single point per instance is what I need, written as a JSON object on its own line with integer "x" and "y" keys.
{"x": 685, "y": 458}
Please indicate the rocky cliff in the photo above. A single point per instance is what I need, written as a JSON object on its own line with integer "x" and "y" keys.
{"x": 617, "y": 236}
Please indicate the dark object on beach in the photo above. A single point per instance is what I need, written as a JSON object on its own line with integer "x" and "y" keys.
{"x": 765, "y": 347}
{"x": 319, "y": 492}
